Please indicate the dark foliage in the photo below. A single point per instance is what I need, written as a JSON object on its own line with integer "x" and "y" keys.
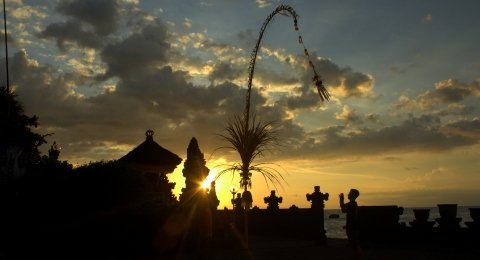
{"x": 16, "y": 128}
{"x": 107, "y": 184}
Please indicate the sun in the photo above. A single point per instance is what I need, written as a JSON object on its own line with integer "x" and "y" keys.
{"x": 206, "y": 183}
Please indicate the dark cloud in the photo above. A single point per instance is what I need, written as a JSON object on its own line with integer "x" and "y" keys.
{"x": 349, "y": 82}
{"x": 162, "y": 99}
{"x": 466, "y": 128}
{"x": 223, "y": 72}
{"x": 101, "y": 15}
{"x": 88, "y": 22}
{"x": 140, "y": 51}
{"x": 276, "y": 78}
{"x": 340, "y": 82}
{"x": 449, "y": 91}
{"x": 151, "y": 94}
{"x": 416, "y": 134}
{"x": 70, "y": 33}
{"x": 307, "y": 99}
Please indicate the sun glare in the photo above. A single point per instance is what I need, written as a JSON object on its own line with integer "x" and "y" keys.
{"x": 205, "y": 184}
{"x": 211, "y": 177}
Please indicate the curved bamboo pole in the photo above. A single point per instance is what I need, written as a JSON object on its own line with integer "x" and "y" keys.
{"x": 322, "y": 92}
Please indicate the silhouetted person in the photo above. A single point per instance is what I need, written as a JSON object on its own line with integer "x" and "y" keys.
{"x": 247, "y": 200}
{"x": 237, "y": 202}
{"x": 351, "y": 208}
{"x": 273, "y": 201}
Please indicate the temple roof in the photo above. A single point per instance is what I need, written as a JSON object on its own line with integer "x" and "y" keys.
{"x": 151, "y": 157}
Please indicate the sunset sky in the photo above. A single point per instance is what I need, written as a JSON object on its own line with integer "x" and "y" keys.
{"x": 402, "y": 126}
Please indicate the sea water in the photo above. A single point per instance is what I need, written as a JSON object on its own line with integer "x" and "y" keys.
{"x": 334, "y": 226}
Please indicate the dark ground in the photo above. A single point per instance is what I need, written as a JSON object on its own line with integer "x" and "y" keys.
{"x": 281, "y": 248}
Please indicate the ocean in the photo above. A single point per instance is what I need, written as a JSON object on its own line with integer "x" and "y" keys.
{"x": 334, "y": 227}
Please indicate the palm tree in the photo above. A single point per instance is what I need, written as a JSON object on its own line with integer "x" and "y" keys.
{"x": 249, "y": 137}
{"x": 250, "y": 143}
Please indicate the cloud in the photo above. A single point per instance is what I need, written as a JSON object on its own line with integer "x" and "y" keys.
{"x": 146, "y": 49}
{"x": 416, "y": 134}
{"x": 224, "y": 72}
{"x": 141, "y": 87}
{"x": 26, "y": 12}
{"x": 101, "y": 15}
{"x": 88, "y": 21}
{"x": 349, "y": 116}
{"x": 293, "y": 82}
{"x": 340, "y": 82}
{"x": 70, "y": 34}
{"x": 466, "y": 128}
{"x": 187, "y": 23}
{"x": 225, "y": 52}
{"x": 372, "y": 117}
{"x": 88, "y": 127}
{"x": 449, "y": 91}
{"x": 262, "y": 3}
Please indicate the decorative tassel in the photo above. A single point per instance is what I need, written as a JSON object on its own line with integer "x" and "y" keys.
{"x": 322, "y": 91}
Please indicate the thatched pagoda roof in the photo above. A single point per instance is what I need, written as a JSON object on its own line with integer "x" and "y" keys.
{"x": 151, "y": 157}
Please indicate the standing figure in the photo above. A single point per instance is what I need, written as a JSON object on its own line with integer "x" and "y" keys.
{"x": 273, "y": 201}
{"x": 237, "y": 202}
{"x": 317, "y": 198}
{"x": 351, "y": 208}
{"x": 247, "y": 199}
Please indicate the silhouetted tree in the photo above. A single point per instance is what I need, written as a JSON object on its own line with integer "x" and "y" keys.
{"x": 16, "y": 130}
{"x": 108, "y": 185}
{"x": 45, "y": 185}
{"x": 18, "y": 143}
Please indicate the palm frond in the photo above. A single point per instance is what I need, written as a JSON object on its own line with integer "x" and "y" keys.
{"x": 270, "y": 175}
{"x": 250, "y": 140}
